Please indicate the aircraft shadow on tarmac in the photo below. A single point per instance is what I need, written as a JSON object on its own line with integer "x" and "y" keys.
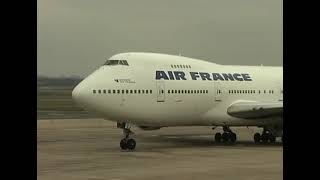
{"x": 181, "y": 141}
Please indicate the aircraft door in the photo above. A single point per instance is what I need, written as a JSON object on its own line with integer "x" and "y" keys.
{"x": 160, "y": 91}
{"x": 281, "y": 95}
{"x": 217, "y": 91}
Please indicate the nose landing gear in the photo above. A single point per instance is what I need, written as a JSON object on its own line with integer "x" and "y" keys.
{"x": 126, "y": 142}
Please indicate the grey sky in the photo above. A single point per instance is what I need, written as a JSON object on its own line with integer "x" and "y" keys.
{"x": 74, "y": 36}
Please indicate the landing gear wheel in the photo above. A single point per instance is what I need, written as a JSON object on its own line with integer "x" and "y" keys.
{"x": 272, "y": 139}
{"x": 225, "y": 137}
{"x": 218, "y": 137}
{"x": 257, "y": 137}
{"x": 233, "y": 137}
{"x": 264, "y": 138}
{"x": 123, "y": 144}
{"x": 131, "y": 144}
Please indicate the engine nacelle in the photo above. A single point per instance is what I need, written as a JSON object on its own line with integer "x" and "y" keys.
{"x": 149, "y": 128}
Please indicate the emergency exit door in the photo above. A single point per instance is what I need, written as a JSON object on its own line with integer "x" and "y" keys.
{"x": 160, "y": 91}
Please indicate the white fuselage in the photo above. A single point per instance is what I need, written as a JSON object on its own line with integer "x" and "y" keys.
{"x": 115, "y": 91}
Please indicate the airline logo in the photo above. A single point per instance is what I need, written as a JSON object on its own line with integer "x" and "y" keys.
{"x": 180, "y": 75}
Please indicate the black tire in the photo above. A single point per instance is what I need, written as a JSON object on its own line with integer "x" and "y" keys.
{"x": 233, "y": 137}
{"x": 272, "y": 139}
{"x": 131, "y": 144}
{"x": 225, "y": 137}
{"x": 257, "y": 137}
{"x": 123, "y": 144}
{"x": 218, "y": 137}
{"x": 264, "y": 138}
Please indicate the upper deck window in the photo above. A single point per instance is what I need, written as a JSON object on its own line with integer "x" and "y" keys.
{"x": 116, "y": 62}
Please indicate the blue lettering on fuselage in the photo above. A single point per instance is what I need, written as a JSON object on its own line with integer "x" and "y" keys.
{"x": 204, "y": 76}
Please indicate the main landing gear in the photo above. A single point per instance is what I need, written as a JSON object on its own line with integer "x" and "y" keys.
{"x": 126, "y": 142}
{"x": 226, "y": 136}
{"x": 266, "y": 137}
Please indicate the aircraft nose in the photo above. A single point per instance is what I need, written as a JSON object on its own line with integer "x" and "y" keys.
{"x": 78, "y": 93}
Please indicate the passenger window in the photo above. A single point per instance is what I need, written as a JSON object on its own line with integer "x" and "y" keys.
{"x": 142, "y": 91}
{"x": 135, "y": 91}
{"x": 122, "y": 91}
{"x": 178, "y": 91}
{"x": 104, "y": 91}
{"x": 109, "y": 91}
{"x": 118, "y": 91}
{"x": 114, "y": 91}
{"x": 181, "y": 91}
{"x": 175, "y": 66}
{"x": 127, "y": 91}
{"x": 151, "y": 91}
{"x": 94, "y": 91}
{"x": 139, "y": 91}
{"x": 147, "y": 91}
{"x": 168, "y": 91}
{"x": 175, "y": 91}
{"x": 131, "y": 91}
{"x": 99, "y": 91}
{"x": 188, "y": 91}
{"x": 171, "y": 66}
{"x": 207, "y": 91}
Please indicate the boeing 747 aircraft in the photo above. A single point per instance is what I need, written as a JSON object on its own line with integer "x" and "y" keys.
{"x": 152, "y": 91}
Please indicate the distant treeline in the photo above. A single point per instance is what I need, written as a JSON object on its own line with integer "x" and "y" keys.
{"x": 58, "y": 81}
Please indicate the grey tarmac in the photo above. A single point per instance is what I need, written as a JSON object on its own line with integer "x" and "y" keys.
{"x": 78, "y": 149}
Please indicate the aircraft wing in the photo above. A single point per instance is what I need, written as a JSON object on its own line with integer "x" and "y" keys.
{"x": 253, "y": 110}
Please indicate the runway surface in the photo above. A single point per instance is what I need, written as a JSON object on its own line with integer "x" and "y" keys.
{"x": 89, "y": 149}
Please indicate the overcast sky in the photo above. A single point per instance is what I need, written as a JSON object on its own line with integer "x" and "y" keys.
{"x": 75, "y": 36}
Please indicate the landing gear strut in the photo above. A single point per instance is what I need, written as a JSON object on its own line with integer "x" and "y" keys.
{"x": 265, "y": 137}
{"x": 226, "y": 136}
{"x": 126, "y": 142}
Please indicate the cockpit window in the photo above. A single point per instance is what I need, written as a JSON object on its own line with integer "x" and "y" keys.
{"x": 116, "y": 62}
